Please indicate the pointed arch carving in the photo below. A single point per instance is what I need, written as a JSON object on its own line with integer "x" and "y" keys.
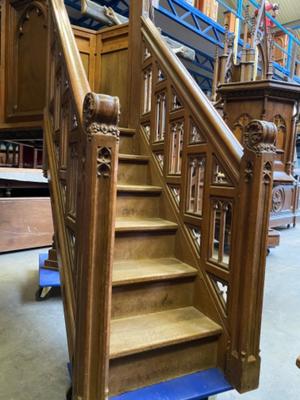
{"x": 240, "y": 124}
{"x": 279, "y": 121}
{"x": 26, "y": 62}
{"x": 33, "y": 7}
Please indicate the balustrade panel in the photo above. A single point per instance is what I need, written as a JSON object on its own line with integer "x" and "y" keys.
{"x": 192, "y": 170}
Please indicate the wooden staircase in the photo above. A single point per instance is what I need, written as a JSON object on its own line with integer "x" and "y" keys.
{"x": 160, "y": 223}
{"x": 153, "y": 320}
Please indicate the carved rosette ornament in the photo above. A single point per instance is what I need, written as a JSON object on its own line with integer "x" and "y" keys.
{"x": 278, "y": 198}
{"x": 260, "y": 136}
{"x": 101, "y": 115}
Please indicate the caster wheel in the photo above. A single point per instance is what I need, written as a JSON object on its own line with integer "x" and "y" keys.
{"x": 268, "y": 252}
{"x": 69, "y": 394}
{"x": 42, "y": 294}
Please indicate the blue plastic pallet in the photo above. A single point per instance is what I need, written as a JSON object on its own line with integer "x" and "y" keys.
{"x": 48, "y": 279}
{"x": 196, "y": 386}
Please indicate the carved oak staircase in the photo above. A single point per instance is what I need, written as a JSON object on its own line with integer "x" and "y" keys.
{"x": 160, "y": 225}
{"x": 154, "y": 321}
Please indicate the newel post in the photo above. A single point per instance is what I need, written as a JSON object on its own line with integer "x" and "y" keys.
{"x": 94, "y": 250}
{"x": 250, "y": 230}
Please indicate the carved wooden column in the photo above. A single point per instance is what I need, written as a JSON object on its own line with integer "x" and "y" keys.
{"x": 96, "y": 208}
{"x": 249, "y": 254}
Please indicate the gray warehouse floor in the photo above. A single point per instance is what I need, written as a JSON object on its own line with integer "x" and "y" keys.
{"x": 33, "y": 352}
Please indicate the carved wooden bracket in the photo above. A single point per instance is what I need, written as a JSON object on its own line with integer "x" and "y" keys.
{"x": 101, "y": 114}
{"x": 260, "y": 136}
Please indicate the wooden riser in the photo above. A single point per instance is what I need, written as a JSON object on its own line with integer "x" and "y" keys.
{"x": 127, "y": 142}
{"x": 133, "y": 172}
{"x": 138, "y": 205}
{"x": 131, "y": 372}
{"x": 138, "y": 245}
{"x": 148, "y": 298}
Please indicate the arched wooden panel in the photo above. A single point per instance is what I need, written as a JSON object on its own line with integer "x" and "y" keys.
{"x": 26, "y": 61}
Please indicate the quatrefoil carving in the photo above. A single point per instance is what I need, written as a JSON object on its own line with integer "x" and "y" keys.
{"x": 103, "y": 161}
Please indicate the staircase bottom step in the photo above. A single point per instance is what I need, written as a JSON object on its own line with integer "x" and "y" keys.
{"x": 195, "y": 386}
{"x": 148, "y": 368}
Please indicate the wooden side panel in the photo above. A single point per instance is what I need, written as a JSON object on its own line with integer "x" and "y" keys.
{"x": 112, "y": 70}
{"x": 2, "y": 55}
{"x": 25, "y": 223}
{"x": 116, "y": 61}
{"x": 86, "y": 42}
{"x": 25, "y": 69}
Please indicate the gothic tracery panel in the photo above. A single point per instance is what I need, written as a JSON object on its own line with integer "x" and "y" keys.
{"x": 175, "y": 190}
{"x": 221, "y": 288}
{"x": 176, "y": 146}
{"x": 160, "y": 116}
{"x": 240, "y": 124}
{"x": 196, "y": 136}
{"x": 195, "y": 233}
{"x": 281, "y": 135}
{"x": 195, "y": 189}
{"x": 221, "y": 231}
{"x": 160, "y": 159}
{"x": 220, "y": 177}
{"x": 147, "y": 90}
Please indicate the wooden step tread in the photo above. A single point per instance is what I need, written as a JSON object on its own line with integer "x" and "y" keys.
{"x": 137, "y": 158}
{"x": 139, "y": 188}
{"x": 156, "y": 330}
{"x": 135, "y": 271}
{"x": 124, "y": 224}
{"x": 126, "y": 131}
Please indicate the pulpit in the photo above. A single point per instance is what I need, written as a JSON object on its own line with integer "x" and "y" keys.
{"x": 276, "y": 102}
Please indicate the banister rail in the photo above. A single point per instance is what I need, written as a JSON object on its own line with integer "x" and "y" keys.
{"x": 195, "y": 98}
{"x": 77, "y": 75}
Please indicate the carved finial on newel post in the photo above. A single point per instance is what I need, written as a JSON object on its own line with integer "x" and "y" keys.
{"x": 101, "y": 114}
{"x": 95, "y": 243}
{"x": 252, "y": 218}
{"x": 260, "y": 136}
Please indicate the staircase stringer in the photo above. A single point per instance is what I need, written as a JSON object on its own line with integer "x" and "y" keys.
{"x": 82, "y": 144}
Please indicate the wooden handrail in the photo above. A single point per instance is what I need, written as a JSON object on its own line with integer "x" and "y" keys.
{"x": 216, "y": 129}
{"x": 77, "y": 75}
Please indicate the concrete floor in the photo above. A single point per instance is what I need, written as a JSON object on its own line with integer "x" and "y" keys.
{"x": 280, "y": 342}
{"x": 33, "y": 351}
